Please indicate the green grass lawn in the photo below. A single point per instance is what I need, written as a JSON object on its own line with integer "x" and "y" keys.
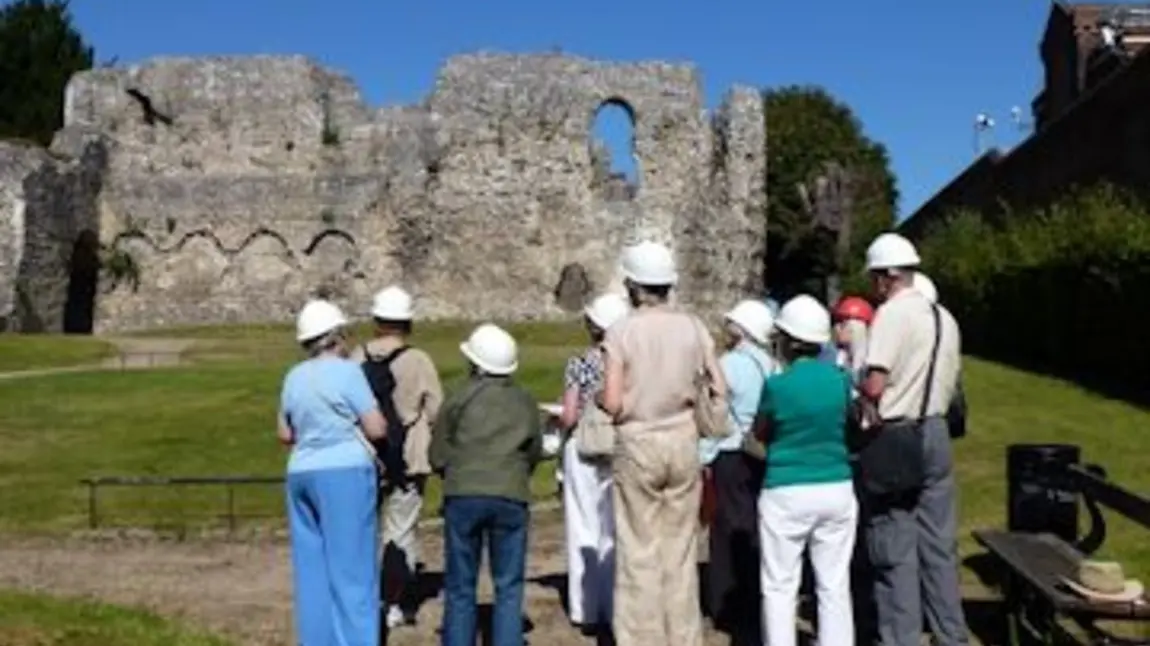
{"x": 34, "y": 620}
{"x": 35, "y": 351}
{"x": 213, "y": 418}
{"x": 216, "y": 418}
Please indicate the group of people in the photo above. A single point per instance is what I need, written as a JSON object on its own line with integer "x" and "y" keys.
{"x": 344, "y": 411}
{"x": 836, "y": 433}
{"x": 806, "y": 444}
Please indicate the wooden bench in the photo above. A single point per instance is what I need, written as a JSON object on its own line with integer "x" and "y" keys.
{"x": 1036, "y": 601}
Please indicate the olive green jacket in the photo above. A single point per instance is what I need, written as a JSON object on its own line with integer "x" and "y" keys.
{"x": 487, "y": 439}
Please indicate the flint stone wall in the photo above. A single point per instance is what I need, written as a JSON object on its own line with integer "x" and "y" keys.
{"x": 45, "y": 204}
{"x": 242, "y": 186}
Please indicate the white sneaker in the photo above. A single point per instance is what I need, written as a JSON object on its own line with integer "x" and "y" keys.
{"x": 395, "y": 617}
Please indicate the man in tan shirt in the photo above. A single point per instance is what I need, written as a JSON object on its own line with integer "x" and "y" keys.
{"x": 912, "y": 369}
{"x": 417, "y": 396}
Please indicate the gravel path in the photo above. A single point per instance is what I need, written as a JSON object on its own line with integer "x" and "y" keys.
{"x": 244, "y": 589}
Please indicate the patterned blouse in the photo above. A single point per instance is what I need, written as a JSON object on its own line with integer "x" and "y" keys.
{"x": 585, "y": 372}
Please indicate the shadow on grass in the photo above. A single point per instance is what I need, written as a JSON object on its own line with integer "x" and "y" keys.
{"x": 1123, "y": 386}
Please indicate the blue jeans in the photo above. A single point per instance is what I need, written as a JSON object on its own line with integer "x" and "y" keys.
{"x": 468, "y": 520}
{"x": 335, "y": 543}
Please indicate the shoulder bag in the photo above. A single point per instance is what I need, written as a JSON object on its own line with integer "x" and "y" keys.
{"x": 594, "y": 433}
{"x": 891, "y": 456}
{"x": 710, "y": 409}
{"x": 956, "y": 414}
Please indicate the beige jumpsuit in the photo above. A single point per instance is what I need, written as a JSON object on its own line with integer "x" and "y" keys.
{"x": 657, "y": 483}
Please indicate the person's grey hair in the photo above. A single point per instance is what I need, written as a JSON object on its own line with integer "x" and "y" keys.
{"x": 737, "y": 330}
{"x": 323, "y": 342}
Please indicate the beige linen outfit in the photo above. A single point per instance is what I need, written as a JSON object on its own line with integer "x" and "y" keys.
{"x": 657, "y": 479}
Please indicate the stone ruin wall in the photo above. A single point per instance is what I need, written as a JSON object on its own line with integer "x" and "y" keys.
{"x": 257, "y": 182}
{"x": 46, "y": 203}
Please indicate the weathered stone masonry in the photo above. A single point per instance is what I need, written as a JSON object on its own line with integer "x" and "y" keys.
{"x": 252, "y": 183}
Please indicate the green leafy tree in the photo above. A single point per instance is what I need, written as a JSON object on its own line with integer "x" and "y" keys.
{"x": 40, "y": 50}
{"x": 806, "y": 128}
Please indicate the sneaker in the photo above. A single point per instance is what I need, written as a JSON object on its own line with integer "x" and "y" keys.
{"x": 395, "y": 617}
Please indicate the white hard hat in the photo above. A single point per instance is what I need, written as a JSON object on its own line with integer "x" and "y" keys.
{"x": 607, "y": 310}
{"x": 805, "y": 319}
{"x": 925, "y": 286}
{"x": 650, "y": 264}
{"x": 392, "y": 304}
{"x": 492, "y": 349}
{"x": 890, "y": 251}
{"x": 754, "y": 317}
{"x": 317, "y": 318}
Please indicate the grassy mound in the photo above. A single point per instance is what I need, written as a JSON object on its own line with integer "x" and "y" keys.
{"x": 35, "y": 620}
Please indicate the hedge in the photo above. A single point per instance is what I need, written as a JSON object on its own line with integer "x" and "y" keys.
{"x": 1065, "y": 287}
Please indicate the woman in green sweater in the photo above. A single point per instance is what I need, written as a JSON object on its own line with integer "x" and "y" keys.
{"x": 808, "y": 498}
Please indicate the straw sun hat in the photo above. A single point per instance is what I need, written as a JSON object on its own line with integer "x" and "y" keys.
{"x": 1104, "y": 581}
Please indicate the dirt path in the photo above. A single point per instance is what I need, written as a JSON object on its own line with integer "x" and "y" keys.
{"x": 244, "y": 589}
{"x": 131, "y": 354}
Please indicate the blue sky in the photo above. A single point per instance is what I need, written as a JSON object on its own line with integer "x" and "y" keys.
{"x": 916, "y": 73}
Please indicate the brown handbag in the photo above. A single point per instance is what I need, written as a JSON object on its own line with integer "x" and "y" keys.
{"x": 710, "y": 409}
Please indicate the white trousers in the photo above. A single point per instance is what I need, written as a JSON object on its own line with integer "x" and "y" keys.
{"x": 588, "y": 516}
{"x": 822, "y": 517}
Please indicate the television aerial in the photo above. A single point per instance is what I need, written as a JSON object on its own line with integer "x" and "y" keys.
{"x": 983, "y": 124}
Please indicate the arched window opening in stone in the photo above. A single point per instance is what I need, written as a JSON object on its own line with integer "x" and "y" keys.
{"x": 615, "y": 166}
{"x": 83, "y": 278}
{"x": 574, "y": 288}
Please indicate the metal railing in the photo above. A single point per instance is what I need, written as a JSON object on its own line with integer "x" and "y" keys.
{"x": 228, "y": 482}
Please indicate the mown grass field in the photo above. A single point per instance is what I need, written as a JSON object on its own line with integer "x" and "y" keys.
{"x": 212, "y": 418}
{"x": 216, "y": 418}
{"x": 34, "y": 352}
{"x": 34, "y": 620}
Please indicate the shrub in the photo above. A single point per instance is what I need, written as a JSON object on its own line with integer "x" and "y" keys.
{"x": 1064, "y": 286}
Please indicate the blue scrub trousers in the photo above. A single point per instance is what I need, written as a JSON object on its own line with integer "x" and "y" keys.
{"x": 334, "y": 538}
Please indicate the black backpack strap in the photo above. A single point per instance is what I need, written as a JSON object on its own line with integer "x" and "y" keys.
{"x": 933, "y": 361}
{"x": 390, "y": 357}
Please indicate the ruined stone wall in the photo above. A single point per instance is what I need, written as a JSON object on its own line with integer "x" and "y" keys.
{"x": 242, "y": 186}
{"x": 45, "y": 203}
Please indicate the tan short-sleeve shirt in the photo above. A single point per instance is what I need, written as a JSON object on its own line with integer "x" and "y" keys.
{"x": 662, "y": 350}
{"x": 901, "y": 338}
{"x": 418, "y": 396}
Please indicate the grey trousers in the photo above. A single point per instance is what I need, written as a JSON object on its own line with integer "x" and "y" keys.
{"x": 399, "y": 520}
{"x": 913, "y": 548}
